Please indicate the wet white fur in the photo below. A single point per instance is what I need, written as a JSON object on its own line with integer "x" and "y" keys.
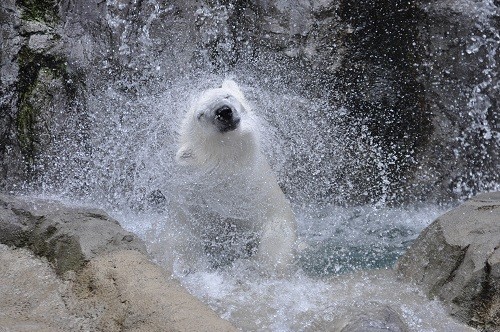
{"x": 233, "y": 177}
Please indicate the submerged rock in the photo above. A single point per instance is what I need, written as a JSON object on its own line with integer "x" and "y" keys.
{"x": 374, "y": 318}
{"x": 457, "y": 259}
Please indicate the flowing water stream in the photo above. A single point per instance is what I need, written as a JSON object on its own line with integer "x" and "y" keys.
{"x": 344, "y": 272}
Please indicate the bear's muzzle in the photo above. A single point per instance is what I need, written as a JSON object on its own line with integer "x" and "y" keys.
{"x": 226, "y": 119}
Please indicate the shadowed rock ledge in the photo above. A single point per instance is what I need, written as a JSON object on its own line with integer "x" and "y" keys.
{"x": 103, "y": 279}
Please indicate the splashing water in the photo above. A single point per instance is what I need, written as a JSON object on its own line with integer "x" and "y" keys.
{"x": 326, "y": 290}
{"x": 132, "y": 174}
{"x": 481, "y": 105}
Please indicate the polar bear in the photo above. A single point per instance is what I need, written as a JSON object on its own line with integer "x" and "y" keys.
{"x": 231, "y": 191}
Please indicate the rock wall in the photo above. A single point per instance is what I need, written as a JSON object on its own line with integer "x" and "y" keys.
{"x": 43, "y": 94}
{"x": 460, "y": 75}
{"x": 457, "y": 259}
{"x": 413, "y": 86}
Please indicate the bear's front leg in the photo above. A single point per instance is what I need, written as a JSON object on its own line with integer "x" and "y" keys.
{"x": 276, "y": 248}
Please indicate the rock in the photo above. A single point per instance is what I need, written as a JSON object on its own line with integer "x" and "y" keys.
{"x": 42, "y": 91}
{"x": 32, "y": 297}
{"x": 136, "y": 295}
{"x": 379, "y": 77}
{"x": 121, "y": 291}
{"x": 68, "y": 237}
{"x": 102, "y": 279}
{"x": 457, "y": 259}
{"x": 461, "y": 42}
{"x": 375, "y": 317}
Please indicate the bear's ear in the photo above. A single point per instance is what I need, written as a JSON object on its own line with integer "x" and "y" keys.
{"x": 185, "y": 156}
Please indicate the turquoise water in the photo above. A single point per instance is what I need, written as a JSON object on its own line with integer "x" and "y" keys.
{"x": 342, "y": 240}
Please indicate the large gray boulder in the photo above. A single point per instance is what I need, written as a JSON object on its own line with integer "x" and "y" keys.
{"x": 87, "y": 274}
{"x": 69, "y": 237}
{"x": 457, "y": 259}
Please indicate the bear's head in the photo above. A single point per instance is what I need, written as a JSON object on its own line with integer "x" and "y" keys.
{"x": 220, "y": 110}
{"x": 219, "y": 123}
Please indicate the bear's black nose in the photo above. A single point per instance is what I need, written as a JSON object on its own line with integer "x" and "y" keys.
{"x": 226, "y": 119}
{"x": 224, "y": 113}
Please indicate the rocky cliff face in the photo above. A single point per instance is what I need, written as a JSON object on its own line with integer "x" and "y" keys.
{"x": 43, "y": 93}
{"x": 410, "y": 89}
{"x": 460, "y": 75}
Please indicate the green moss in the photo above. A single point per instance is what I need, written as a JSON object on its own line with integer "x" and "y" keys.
{"x": 31, "y": 64}
{"x": 39, "y": 10}
{"x": 26, "y": 120}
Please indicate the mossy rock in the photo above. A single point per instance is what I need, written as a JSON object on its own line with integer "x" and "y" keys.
{"x": 42, "y": 78}
{"x": 39, "y": 10}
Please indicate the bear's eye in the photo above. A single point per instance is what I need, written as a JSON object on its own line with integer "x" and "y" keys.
{"x": 200, "y": 115}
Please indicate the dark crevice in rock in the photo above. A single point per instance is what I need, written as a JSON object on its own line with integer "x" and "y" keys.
{"x": 459, "y": 259}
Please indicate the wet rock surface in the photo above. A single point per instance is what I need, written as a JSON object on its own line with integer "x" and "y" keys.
{"x": 457, "y": 259}
{"x": 460, "y": 42}
{"x": 375, "y": 317}
{"x": 87, "y": 274}
{"x": 42, "y": 90}
{"x": 67, "y": 237}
